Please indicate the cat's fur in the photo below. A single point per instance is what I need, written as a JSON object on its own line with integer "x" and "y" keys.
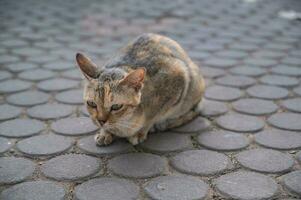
{"x": 155, "y": 81}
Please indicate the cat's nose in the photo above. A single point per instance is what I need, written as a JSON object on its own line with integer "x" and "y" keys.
{"x": 101, "y": 122}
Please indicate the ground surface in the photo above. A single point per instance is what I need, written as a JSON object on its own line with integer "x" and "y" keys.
{"x": 245, "y": 146}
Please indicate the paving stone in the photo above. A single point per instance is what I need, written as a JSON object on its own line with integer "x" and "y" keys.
{"x": 291, "y": 61}
{"x": 293, "y": 105}
{"x": 28, "y": 98}
{"x": 254, "y": 106}
{"x": 221, "y": 140}
{"x": 21, "y": 127}
{"x": 14, "y": 170}
{"x": 200, "y": 162}
{"x": 240, "y": 123}
{"x": 265, "y": 160}
{"x": 196, "y": 125}
{"x": 231, "y": 54}
{"x": 71, "y": 167}
{"x": 22, "y": 66}
{"x": 57, "y": 84}
{"x": 36, "y": 75}
{"x": 298, "y": 156}
{"x": 244, "y": 47}
{"x": 9, "y": 112}
{"x": 73, "y": 74}
{"x": 50, "y": 111}
{"x": 5, "y": 75}
{"x": 34, "y": 190}
{"x": 222, "y": 63}
{"x": 166, "y": 142}
{"x": 107, "y": 188}
{"x": 279, "y": 80}
{"x": 279, "y": 139}
{"x": 137, "y": 165}
{"x": 260, "y": 62}
{"x": 267, "y": 92}
{"x": 297, "y": 90}
{"x": 4, "y": 59}
{"x": 74, "y": 126}
{"x": 210, "y": 72}
{"x": 13, "y": 85}
{"x": 44, "y": 145}
{"x": 176, "y": 188}
{"x": 59, "y": 65}
{"x": 221, "y": 93}
{"x": 286, "y": 70}
{"x": 288, "y": 121}
{"x": 269, "y": 54}
{"x": 292, "y": 182}
{"x": 248, "y": 71}
{"x": 70, "y": 97}
{"x": 5, "y": 145}
{"x": 213, "y": 108}
{"x": 246, "y": 185}
{"x": 88, "y": 145}
{"x": 236, "y": 81}
{"x": 84, "y": 111}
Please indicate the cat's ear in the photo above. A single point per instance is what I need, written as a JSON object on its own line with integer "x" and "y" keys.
{"x": 134, "y": 79}
{"x": 88, "y": 68}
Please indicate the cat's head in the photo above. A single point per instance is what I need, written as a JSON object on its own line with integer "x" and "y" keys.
{"x": 112, "y": 96}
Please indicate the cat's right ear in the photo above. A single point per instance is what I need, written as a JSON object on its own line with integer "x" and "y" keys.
{"x": 88, "y": 68}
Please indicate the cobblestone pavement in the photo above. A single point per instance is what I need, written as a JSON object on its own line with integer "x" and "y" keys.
{"x": 246, "y": 144}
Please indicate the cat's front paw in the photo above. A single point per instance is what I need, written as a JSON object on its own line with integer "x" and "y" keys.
{"x": 103, "y": 139}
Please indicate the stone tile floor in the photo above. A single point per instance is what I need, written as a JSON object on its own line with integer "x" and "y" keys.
{"x": 246, "y": 144}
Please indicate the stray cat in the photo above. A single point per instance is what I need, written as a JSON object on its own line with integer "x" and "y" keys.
{"x": 150, "y": 84}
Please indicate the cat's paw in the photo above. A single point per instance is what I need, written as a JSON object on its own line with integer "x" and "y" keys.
{"x": 103, "y": 139}
{"x": 133, "y": 140}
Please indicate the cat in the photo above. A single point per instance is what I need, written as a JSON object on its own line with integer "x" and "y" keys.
{"x": 150, "y": 84}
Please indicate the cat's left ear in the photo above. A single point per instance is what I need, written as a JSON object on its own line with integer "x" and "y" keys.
{"x": 88, "y": 68}
{"x": 135, "y": 79}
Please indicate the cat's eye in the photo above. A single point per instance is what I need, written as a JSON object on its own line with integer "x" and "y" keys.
{"x": 91, "y": 104}
{"x": 116, "y": 107}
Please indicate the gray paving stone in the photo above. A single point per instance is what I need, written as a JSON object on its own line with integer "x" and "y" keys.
{"x": 22, "y": 66}
{"x": 166, "y": 142}
{"x": 277, "y": 80}
{"x": 240, "y": 123}
{"x": 213, "y": 108}
{"x": 88, "y": 145}
{"x": 70, "y": 97}
{"x": 50, "y": 111}
{"x": 254, "y": 106}
{"x": 13, "y": 85}
{"x": 297, "y": 90}
{"x": 244, "y": 47}
{"x": 279, "y": 139}
{"x": 107, "y": 188}
{"x": 57, "y": 84}
{"x": 260, "y": 62}
{"x": 5, "y": 145}
{"x": 71, "y": 167}
{"x": 9, "y": 112}
{"x": 137, "y": 165}
{"x": 231, "y": 54}
{"x": 44, "y": 145}
{"x": 5, "y": 75}
{"x": 236, "y": 81}
{"x": 36, "y": 75}
{"x": 269, "y": 54}
{"x": 43, "y": 59}
{"x": 248, "y": 71}
{"x": 221, "y": 93}
{"x": 4, "y": 59}
{"x": 84, "y": 111}
{"x": 298, "y": 156}
{"x": 267, "y": 92}
{"x": 196, "y": 125}
{"x": 200, "y": 162}
{"x": 59, "y": 65}
{"x": 293, "y": 105}
{"x": 74, "y": 126}
{"x": 265, "y": 160}
{"x": 73, "y": 74}
{"x": 34, "y": 190}
{"x": 21, "y": 128}
{"x": 222, "y": 63}
{"x": 176, "y": 188}
{"x": 291, "y": 61}
{"x": 246, "y": 186}
{"x": 221, "y": 140}
{"x": 288, "y": 121}
{"x": 14, "y": 170}
{"x": 28, "y": 98}
{"x": 292, "y": 182}
{"x": 286, "y": 70}
{"x": 210, "y": 72}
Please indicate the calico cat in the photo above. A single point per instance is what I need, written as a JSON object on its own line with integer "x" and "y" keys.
{"x": 149, "y": 84}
